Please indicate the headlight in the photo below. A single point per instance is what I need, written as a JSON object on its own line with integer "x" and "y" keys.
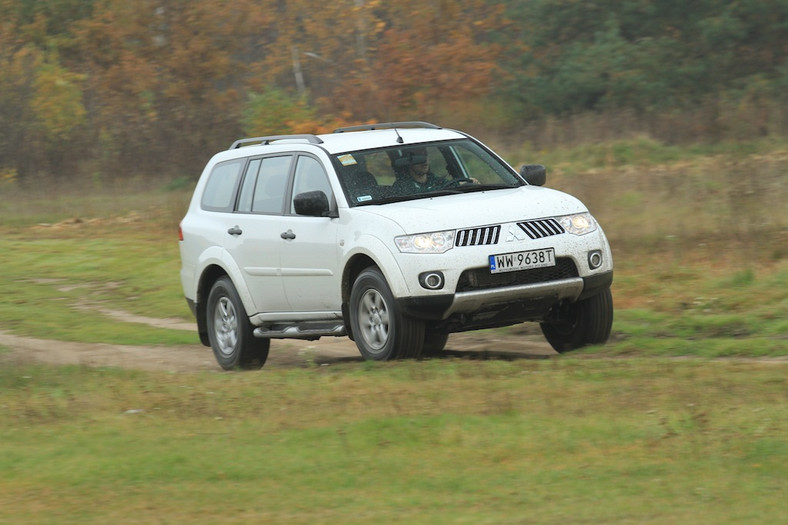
{"x": 434, "y": 242}
{"x": 578, "y": 224}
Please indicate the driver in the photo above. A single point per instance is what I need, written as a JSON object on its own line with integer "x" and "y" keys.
{"x": 417, "y": 177}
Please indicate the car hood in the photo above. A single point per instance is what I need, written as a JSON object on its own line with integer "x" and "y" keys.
{"x": 468, "y": 210}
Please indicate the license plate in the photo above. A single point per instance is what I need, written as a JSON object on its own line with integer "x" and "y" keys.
{"x": 512, "y": 262}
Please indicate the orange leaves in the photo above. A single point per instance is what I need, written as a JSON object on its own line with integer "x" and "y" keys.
{"x": 153, "y": 77}
{"x": 430, "y": 59}
{"x": 374, "y": 60}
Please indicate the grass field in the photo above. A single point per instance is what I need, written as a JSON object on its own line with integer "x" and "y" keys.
{"x": 625, "y": 433}
{"x": 594, "y": 441}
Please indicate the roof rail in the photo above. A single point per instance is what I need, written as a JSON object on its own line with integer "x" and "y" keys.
{"x": 264, "y": 141}
{"x": 389, "y": 125}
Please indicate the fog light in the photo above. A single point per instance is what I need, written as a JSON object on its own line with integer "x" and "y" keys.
{"x": 594, "y": 259}
{"x": 431, "y": 280}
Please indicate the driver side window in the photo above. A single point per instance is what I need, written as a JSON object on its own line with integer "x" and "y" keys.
{"x": 310, "y": 176}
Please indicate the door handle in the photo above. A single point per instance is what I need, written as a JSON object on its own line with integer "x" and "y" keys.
{"x": 235, "y": 230}
{"x": 288, "y": 235}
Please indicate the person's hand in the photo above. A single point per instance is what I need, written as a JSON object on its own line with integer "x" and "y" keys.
{"x": 459, "y": 182}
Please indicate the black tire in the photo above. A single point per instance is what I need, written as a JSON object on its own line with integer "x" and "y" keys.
{"x": 434, "y": 343}
{"x": 229, "y": 331}
{"x": 380, "y": 330}
{"x": 586, "y": 322}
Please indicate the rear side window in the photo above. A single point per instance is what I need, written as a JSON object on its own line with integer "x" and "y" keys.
{"x": 219, "y": 194}
{"x": 269, "y": 192}
{"x": 265, "y": 185}
{"x": 247, "y": 190}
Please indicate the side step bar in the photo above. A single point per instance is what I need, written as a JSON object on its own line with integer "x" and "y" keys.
{"x": 303, "y": 331}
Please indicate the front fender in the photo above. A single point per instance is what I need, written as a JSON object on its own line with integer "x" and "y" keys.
{"x": 376, "y": 250}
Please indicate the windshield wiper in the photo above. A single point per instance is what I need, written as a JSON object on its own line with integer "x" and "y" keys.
{"x": 467, "y": 188}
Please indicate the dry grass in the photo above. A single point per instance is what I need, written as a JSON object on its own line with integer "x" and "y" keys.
{"x": 735, "y": 207}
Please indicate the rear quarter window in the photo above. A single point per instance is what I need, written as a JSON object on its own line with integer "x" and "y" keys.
{"x": 219, "y": 193}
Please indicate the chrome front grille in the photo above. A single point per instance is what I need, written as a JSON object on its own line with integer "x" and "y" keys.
{"x": 541, "y": 228}
{"x": 478, "y": 236}
{"x": 537, "y": 229}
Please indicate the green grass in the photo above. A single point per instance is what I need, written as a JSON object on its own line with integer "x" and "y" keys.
{"x": 630, "y": 436}
{"x": 698, "y": 309}
{"x": 57, "y": 280}
{"x": 623, "y": 441}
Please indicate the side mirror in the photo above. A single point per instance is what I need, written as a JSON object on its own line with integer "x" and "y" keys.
{"x": 312, "y": 203}
{"x": 534, "y": 174}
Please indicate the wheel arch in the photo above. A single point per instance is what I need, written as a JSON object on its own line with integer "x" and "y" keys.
{"x": 355, "y": 265}
{"x": 214, "y": 269}
{"x": 369, "y": 251}
{"x": 208, "y": 277}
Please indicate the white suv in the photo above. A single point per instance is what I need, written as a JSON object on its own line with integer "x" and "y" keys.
{"x": 395, "y": 235}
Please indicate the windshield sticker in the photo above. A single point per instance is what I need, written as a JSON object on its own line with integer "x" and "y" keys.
{"x": 347, "y": 160}
{"x": 363, "y": 198}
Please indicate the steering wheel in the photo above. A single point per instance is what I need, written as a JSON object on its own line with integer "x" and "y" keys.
{"x": 456, "y": 182}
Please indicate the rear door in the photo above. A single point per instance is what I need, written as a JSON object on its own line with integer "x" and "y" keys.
{"x": 254, "y": 230}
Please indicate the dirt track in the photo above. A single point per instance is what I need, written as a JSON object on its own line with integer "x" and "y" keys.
{"x": 285, "y": 353}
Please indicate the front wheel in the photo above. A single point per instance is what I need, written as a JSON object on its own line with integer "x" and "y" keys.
{"x": 229, "y": 330}
{"x": 586, "y": 322}
{"x": 434, "y": 343}
{"x": 380, "y": 329}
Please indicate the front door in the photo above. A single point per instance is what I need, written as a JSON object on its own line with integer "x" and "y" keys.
{"x": 310, "y": 257}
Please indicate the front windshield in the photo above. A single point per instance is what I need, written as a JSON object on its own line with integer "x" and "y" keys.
{"x": 406, "y": 172}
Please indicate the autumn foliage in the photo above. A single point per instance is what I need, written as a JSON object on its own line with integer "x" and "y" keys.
{"x": 153, "y": 87}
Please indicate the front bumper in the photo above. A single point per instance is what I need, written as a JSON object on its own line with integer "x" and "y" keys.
{"x": 529, "y": 301}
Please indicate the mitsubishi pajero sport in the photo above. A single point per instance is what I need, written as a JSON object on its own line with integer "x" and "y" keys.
{"x": 394, "y": 235}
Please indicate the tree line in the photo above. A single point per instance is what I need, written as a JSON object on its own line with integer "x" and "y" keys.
{"x": 155, "y": 86}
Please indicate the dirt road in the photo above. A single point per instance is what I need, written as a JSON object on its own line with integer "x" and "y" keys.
{"x": 285, "y": 353}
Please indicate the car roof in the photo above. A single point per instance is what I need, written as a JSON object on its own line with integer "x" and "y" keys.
{"x": 380, "y": 138}
{"x": 370, "y": 136}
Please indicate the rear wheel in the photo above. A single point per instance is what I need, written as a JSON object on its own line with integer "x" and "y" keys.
{"x": 229, "y": 330}
{"x": 586, "y": 322}
{"x": 380, "y": 329}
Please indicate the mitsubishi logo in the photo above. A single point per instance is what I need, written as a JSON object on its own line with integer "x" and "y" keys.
{"x": 515, "y": 234}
